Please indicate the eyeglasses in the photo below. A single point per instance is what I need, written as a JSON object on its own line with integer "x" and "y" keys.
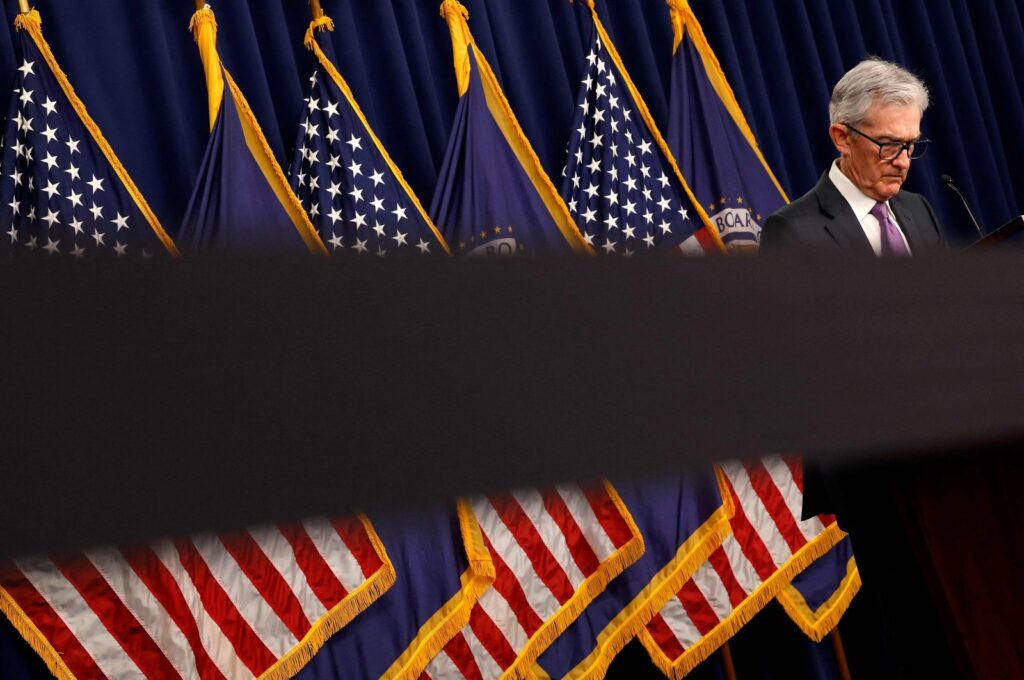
{"x": 890, "y": 151}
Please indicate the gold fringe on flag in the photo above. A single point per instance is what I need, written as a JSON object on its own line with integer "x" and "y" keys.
{"x": 750, "y": 606}
{"x": 645, "y": 113}
{"x": 204, "y": 27}
{"x": 339, "y": 616}
{"x": 325, "y": 23}
{"x": 278, "y": 182}
{"x": 684, "y": 19}
{"x": 633, "y": 618}
{"x": 592, "y": 587}
{"x": 287, "y": 666}
{"x": 819, "y": 623}
{"x": 33, "y": 636}
{"x": 32, "y": 23}
{"x": 445, "y": 624}
{"x": 456, "y": 14}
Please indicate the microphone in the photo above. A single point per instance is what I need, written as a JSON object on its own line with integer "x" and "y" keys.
{"x": 948, "y": 181}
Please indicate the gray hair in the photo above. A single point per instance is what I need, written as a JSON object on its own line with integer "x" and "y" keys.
{"x": 873, "y": 81}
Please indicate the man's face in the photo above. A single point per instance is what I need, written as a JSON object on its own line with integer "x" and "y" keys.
{"x": 881, "y": 180}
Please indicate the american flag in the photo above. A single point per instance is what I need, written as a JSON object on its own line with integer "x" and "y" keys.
{"x": 553, "y": 550}
{"x": 622, "y": 190}
{"x": 236, "y": 605}
{"x": 352, "y": 190}
{"x": 62, "y": 190}
{"x": 769, "y": 545}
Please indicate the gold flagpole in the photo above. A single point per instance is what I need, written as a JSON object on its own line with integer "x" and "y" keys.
{"x": 316, "y": 9}
{"x": 23, "y": 6}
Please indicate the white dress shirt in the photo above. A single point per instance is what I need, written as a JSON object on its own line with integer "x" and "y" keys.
{"x": 862, "y": 205}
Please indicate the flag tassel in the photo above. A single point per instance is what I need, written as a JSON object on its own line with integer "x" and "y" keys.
{"x": 322, "y": 23}
{"x": 203, "y": 26}
{"x": 29, "y": 21}
{"x": 457, "y": 16}
{"x": 203, "y": 17}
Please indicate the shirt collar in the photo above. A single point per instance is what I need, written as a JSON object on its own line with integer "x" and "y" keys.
{"x": 858, "y": 200}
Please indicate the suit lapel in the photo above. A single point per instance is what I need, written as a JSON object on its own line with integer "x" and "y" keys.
{"x": 840, "y": 222}
{"x": 905, "y": 217}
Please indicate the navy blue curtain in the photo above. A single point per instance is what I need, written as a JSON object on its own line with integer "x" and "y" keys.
{"x": 136, "y": 68}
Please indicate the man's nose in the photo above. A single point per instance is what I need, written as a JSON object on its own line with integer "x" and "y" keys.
{"x": 903, "y": 160}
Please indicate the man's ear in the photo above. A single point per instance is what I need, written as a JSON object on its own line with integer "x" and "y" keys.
{"x": 840, "y": 135}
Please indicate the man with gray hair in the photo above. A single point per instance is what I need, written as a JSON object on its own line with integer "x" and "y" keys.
{"x": 857, "y": 205}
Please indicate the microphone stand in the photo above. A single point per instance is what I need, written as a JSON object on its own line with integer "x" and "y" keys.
{"x": 948, "y": 181}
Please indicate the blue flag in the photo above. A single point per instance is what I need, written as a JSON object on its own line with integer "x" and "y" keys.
{"x": 819, "y": 595}
{"x": 62, "y": 189}
{"x": 621, "y": 184}
{"x": 442, "y": 568}
{"x": 353, "y": 192}
{"x": 682, "y": 521}
{"x": 242, "y": 199}
{"x": 709, "y": 134}
{"x": 493, "y": 197}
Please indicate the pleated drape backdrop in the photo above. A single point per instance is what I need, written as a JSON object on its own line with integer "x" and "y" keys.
{"x": 137, "y": 69}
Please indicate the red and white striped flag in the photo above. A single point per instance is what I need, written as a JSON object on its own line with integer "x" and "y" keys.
{"x": 769, "y": 545}
{"x": 554, "y": 550}
{"x": 241, "y": 605}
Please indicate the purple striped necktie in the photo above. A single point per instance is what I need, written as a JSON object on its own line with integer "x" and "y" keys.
{"x": 892, "y": 240}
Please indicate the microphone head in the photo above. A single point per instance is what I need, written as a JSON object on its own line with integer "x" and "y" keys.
{"x": 945, "y": 179}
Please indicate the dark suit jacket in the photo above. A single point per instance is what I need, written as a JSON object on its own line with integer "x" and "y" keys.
{"x": 906, "y": 635}
{"x": 821, "y": 220}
